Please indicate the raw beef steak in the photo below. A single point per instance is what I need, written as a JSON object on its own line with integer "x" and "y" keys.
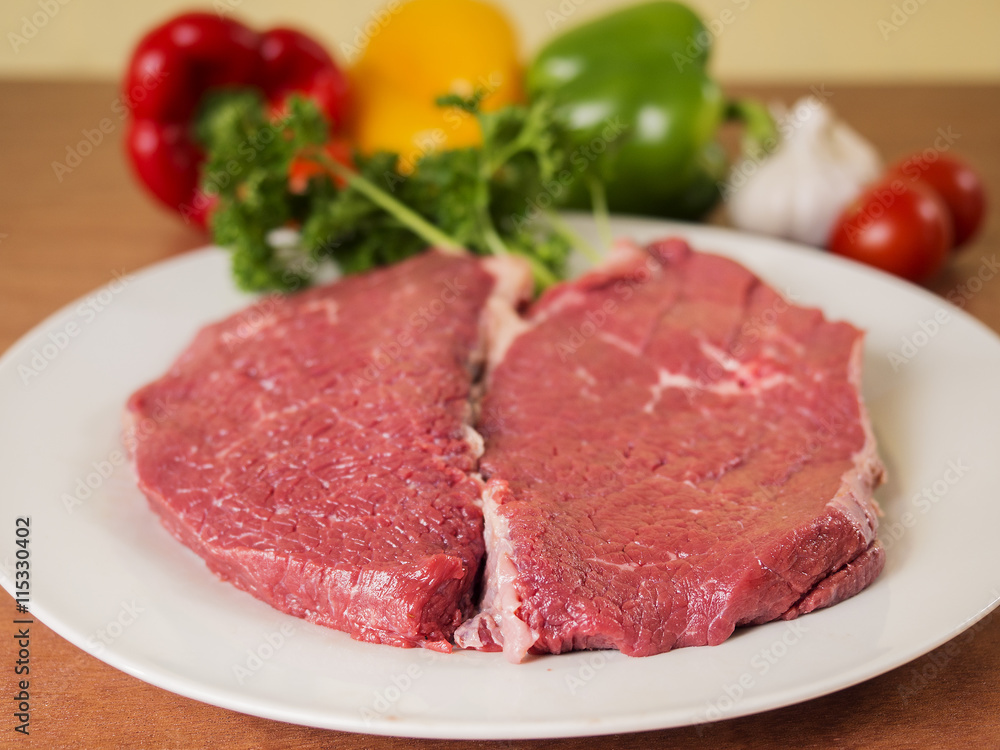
{"x": 672, "y": 450}
{"x": 318, "y": 453}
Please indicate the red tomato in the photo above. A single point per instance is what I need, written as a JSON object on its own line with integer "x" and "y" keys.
{"x": 903, "y": 228}
{"x": 958, "y": 184}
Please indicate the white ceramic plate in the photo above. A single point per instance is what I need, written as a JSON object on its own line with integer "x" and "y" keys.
{"x": 106, "y": 576}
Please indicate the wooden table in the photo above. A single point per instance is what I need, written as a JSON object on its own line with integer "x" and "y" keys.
{"x": 64, "y": 233}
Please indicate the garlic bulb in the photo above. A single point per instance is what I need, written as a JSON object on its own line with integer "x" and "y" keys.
{"x": 818, "y": 167}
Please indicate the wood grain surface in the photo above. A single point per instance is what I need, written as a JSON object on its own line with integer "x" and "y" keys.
{"x": 64, "y": 233}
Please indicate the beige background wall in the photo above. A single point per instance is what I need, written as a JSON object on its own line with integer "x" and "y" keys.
{"x": 791, "y": 40}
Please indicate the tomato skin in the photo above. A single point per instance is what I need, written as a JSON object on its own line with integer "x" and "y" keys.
{"x": 958, "y": 184}
{"x": 902, "y": 228}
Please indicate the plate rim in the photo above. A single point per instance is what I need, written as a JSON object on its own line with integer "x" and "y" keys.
{"x": 470, "y": 727}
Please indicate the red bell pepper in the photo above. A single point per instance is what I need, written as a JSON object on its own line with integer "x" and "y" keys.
{"x": 177, "y": 63}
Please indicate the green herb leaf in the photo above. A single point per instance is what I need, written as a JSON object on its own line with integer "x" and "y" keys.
{"x": 485, "y": 199}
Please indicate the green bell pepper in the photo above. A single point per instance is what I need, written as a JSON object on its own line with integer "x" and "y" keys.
{"x": 642, "y": 71}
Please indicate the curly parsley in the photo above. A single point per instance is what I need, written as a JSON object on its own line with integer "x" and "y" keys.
{"x": 372, "y": 212}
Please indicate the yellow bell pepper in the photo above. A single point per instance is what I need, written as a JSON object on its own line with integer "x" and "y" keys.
{"x": 426, "y": 49}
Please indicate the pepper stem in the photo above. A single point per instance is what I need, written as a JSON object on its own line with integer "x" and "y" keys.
{"x": 758, "y": 126}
